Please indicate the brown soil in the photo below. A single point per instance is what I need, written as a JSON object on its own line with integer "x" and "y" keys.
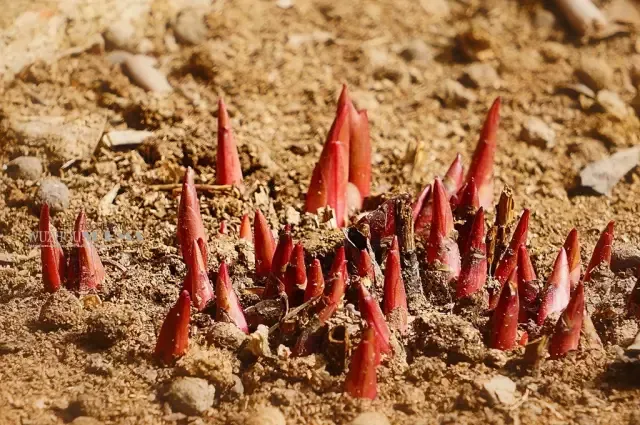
{"x": 61, "y": 357}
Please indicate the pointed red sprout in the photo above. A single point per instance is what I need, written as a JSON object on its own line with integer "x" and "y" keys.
{"x": 296, "y": 274}
{"x": 190, "y": 225}
{"x": 524, "y": 339}
{"x": 228, "y": 308}
{"x": 245, "y": 228}
{"x": 173, "y": 340}
{"x": 394, "y": 302}
{"x": 372, "y": 314}
{"x": 364, "y": 265}
{"x": 265, "y": 245}
{"x": 473, "y": 273}
{"x": 361, "y": 379}
{"x": 558, "y": 290}
{"x": 505, "y": 316}
{"x": 328, "y": 186}
{"x": 315, "y": 284}
{"x": 52, "y": 257}
{"x": 466, "y": 205}
{"x": 343, "y": 126}
{"x": 481, "y": 167}
{"x": 509, "y": 259}
{"x": 281, "y": 258}
{"x": 567, "y": 331}
{"x": 440, "y": 247}
{"x": 602, "y": 251}
{"x": 572, "y": 246}
{"x": 527, "y": 289}
{"x": 197, "y": 280}
{"x": 337, "y": 285}
{"x": 85, "y": 271}
{"x": 454, "y": 178}
{"x": 468, "y": 197}
{"x": 228, "y": 170}
{"x": 360, "y": 153}
{"x": 420, "y": 203}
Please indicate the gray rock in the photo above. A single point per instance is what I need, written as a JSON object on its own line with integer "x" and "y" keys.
{"x": 190, "y": 27}
{"x": 611, "y": 103}
{"x": 480, "y": 75}
{"x": 624, "y": 257}
{"x": 601, "y": 176}
{"x": 141, "y": 72}
{"x": 538, "y": 133}
{"x": 500, "y": 390}
{"x": 54, "y": 193}
{"x": 417, "y": 50}
{"x": 595, "y": 73}
{"x": 266, "y": 416}
{"x": 61, "y": 311}
{"x": 25, "y": 168}
{"x": 371, "y": 418}
{"x": 191, "y": 396}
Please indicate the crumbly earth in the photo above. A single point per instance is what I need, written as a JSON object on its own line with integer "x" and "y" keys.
{"x": 279, "y": 70}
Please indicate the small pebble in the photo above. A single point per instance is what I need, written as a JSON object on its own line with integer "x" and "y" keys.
{"x": 595, "y": 73}
{"x": 500, "y": 390}
{"x": 225, "y": 335}
{"x": 141, "y": 72}
{"x": 120, "y": 35}
{"x": 417, "y": 51}
{"x": 191, "y": 396}
{"x": 453, "y": 94}
{"x": 371, "y": 418}
{"x": 54, "y": 193}
{"x": 480, "y": 75}
{"x": 612, "y": 104}
{"x": 190, "y": 27}
{"x": 61, "y": 311}
{"x": 543, "y": 19}
{"x": 553, "y": 52}
{"x": 25, "y": 168}
{"x": 266, "y": 416}
{"x": 538, "y": 133}
{"x": 110, "y": 323}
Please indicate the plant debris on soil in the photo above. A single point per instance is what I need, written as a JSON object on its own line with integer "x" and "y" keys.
{"x": 142, "y": 317}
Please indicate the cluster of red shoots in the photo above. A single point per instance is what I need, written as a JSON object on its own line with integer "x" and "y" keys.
{"x": 341, "y": 180}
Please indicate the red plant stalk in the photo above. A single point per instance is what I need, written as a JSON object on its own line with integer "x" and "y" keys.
{"x": 527, "y": 288}
{"x": 509, "y": 259}
{"x": 284, "y": 249}
{"x": 265, "y": 245}
{"x": 566, "y": 336}
{"x": 422, "y": 200}
{"x": 228, "y": 308}
{"x": 296, "y": 276}
{"x": 558, "y": 290}
{"x": 481, "y": 167}
{"x": 454, "y": 177}
{"x": 441, "y": 248}
{"x": 173, "y": 340}
{"x": 196, "y": 282}
{"x": 361, "y": 378}
{"x": 364, "y": 265}
{"x": 394, "y": 304}
{"x": 601, "y": 252}
{"x": 372, "y": 314}
{"x": 572, "y": 246}
{"x": 473, "y": 273}
{"x": 360, "y": 152}
{"x": 505, "y": 316}
{"x": 85, "y": 271}
{"x": 315, "y": 283}
{"x": 223, "y": 228}
{"x": 328, "y": 186}
{"x": 51, "y": 254}
{"x": 190, "y": 225}
{"x": 245, "y": 228}
{"x": 228, "y": 170}
{"x": 342, "y": 127}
